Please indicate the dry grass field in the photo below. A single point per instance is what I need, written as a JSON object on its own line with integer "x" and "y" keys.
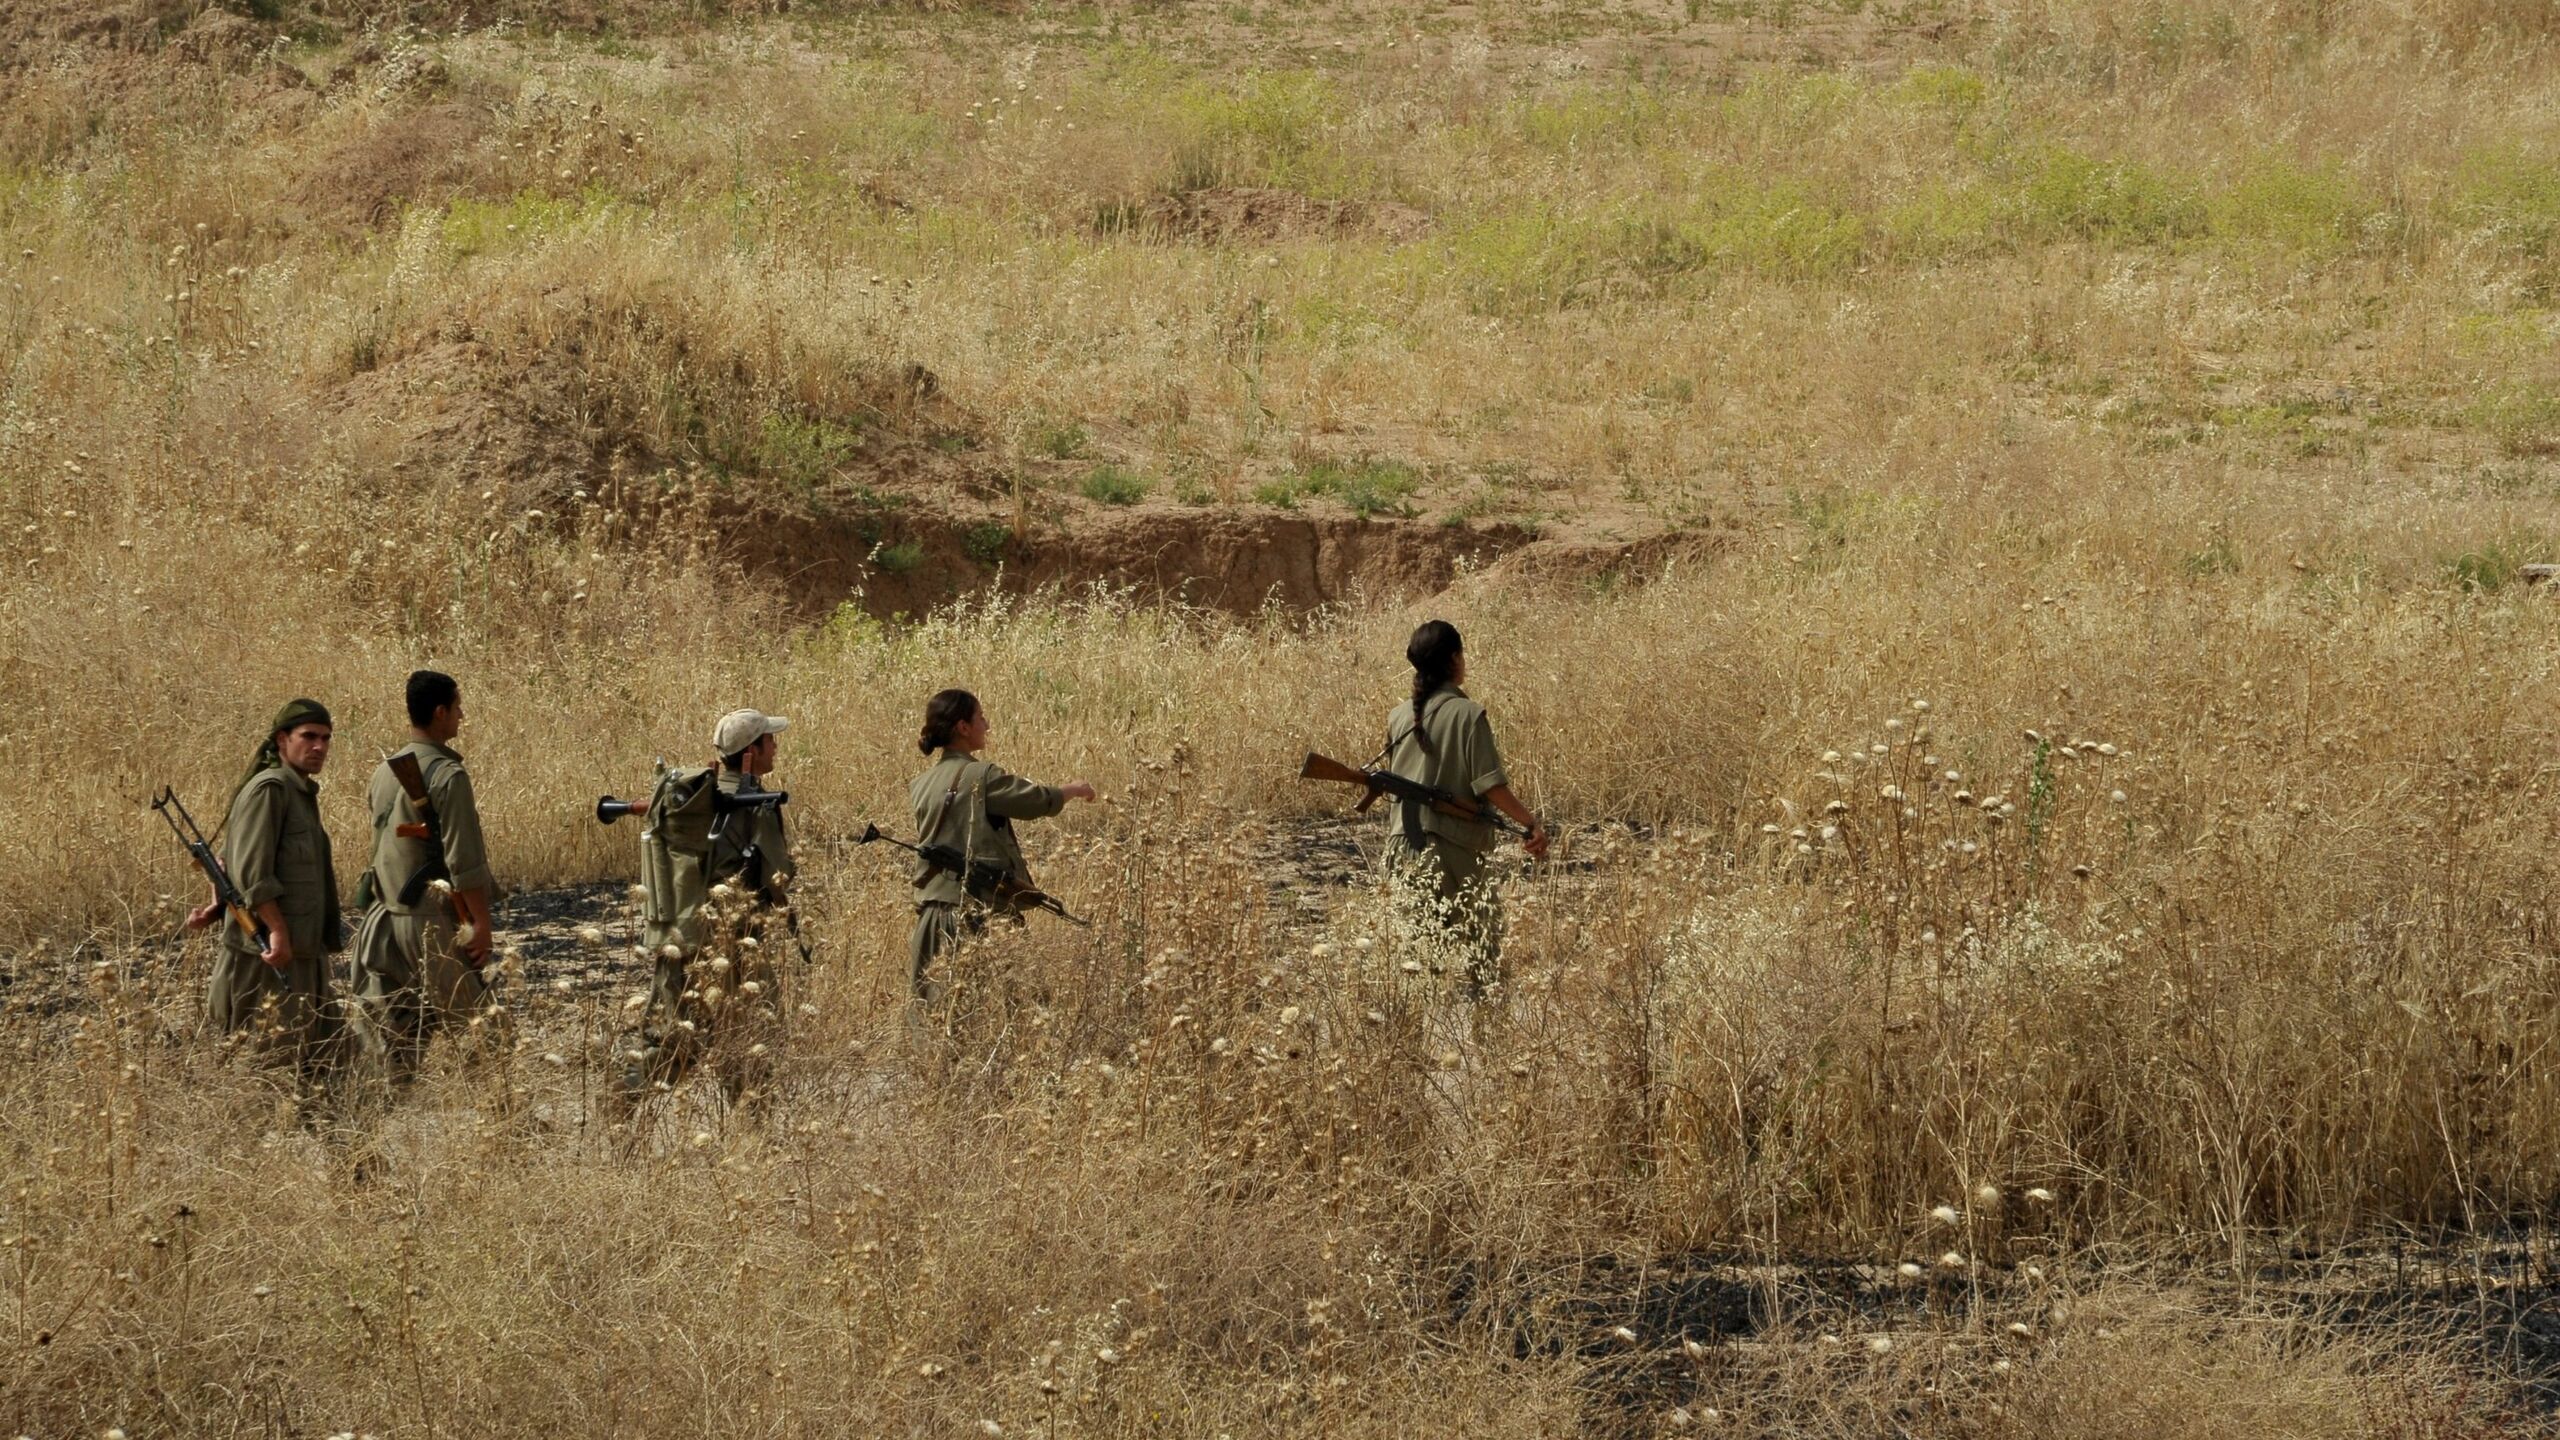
{"x": 1996, "y": 526}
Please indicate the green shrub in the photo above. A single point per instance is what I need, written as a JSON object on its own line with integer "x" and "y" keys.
{"x": 470, "y": 227}
{"x": 900, "y": 558}
{"x": 2061, "y": 192}
{"x": 2315, "y": 210}
{"x": 1584, "y": 121}
{"x": 2513, "y": 197}
{"x": 1059, "y": 440}
{"x": 1272, "y": 128}
{"x": 2525, "y": 419}
{"x": 1778, "y": 230}
{"x": 986, "y": 544}
{"x": 1947, "y": 90}
{"x": 1366, "y": 487}
{"x": 1112, "y": 485}
{"x": 805, "y": 453}
{"x": 1520, "y": 264}
{"x": 2500, "y": 563}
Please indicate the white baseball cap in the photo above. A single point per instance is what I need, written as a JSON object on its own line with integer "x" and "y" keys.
{"x": 741, "y": 728}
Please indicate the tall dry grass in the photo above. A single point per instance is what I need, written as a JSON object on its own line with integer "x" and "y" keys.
{"x": 2172, "y": 387}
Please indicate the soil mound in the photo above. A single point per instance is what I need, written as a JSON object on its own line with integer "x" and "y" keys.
{"x": 901, "y": 524}
{"x": 37, "y": 32}
{"x": 422, "y": 156}
{"x": 459, "y": 413}
{"x": 1242, "y": 214}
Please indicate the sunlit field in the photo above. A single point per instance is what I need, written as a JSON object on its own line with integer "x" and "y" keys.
{"x": 1997, "y": 531}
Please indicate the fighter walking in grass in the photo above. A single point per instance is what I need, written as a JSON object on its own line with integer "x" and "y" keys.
{"x": 967, "y": 805}
{"x": 276, "y": 991}
{"x": 1435, "y": 860}
{"x": 715, "y": 865}
{"x": 424, "y": 941}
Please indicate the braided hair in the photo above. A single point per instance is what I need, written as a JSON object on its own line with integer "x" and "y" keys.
{"x": 1433, "y": 652}
{"x": 947, "y": 711}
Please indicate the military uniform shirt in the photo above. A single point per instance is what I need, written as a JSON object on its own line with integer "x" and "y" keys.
{"x": 947, "y": 818}
{"x": 275, "y": 850}
{"x": 1459, "y": 757}
{"x": 397, "y": 857}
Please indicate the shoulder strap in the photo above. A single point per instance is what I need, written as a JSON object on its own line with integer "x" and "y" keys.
{"x": 1419, "y": 718}
{"x": 942, "y": 808}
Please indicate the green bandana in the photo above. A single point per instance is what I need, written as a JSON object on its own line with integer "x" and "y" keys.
{"x": 295, "y": 712}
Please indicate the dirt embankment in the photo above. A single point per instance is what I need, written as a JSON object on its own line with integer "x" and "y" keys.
{"x": 912, "y": 517}
{"x": 524, "y": 412}
{"x": 906, "y": 525}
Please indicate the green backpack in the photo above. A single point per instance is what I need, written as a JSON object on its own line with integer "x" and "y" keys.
{"x": 675, "y": 854}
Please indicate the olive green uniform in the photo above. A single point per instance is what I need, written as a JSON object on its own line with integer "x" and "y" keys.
{"x": 275, "y": 850}
{"x": 1436, "y": 863}
{"x": 410, "y": 976}
{"x": 747, "y": 849}
{"x": 970, "y": 805}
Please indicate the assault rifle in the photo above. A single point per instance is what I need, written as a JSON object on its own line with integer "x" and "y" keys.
{"x": 427, "y": 827}
{"x": 200, "y": 850}
{"x": 1375, "y": 783}
{"x": 985, "y": 880}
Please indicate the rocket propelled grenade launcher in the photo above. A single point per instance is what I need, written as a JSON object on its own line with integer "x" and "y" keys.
{"x": 200, "y": 850}
{"x": 608, "y": 809}
{"x": 1375, "y": 783}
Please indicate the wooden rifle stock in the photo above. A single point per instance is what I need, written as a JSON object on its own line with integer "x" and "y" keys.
{"x": 1319, "y": 767}
{"x": 413, "y": 783}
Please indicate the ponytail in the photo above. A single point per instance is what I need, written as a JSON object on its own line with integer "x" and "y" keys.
{"x": 947, "y": 711}
{"x": 1433, "y": 652}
